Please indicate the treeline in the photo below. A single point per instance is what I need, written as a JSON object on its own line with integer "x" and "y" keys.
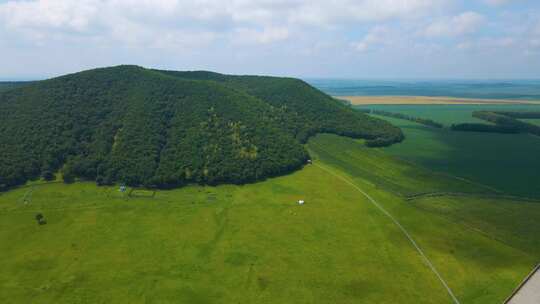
{"x": 519, "y": 114}
{"x": 144, "y": 127}
{"x": 8, "y": 85}
{"x": 423, "y": 121}
{"x": 480, "y": 127}
{"x": 503, "y": 122}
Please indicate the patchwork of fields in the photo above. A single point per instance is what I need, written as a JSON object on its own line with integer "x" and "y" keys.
{"x": 507, "y": 162}
{"x": 255, "y": 244}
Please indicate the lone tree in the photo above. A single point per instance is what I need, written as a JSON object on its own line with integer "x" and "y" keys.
{"x": 40, "y": 219}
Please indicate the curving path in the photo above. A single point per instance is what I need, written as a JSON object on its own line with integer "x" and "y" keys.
{"x": 405, "y": 232}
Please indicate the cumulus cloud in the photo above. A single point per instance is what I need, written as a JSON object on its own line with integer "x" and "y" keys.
{"x": 377, "y": 37}
{"x": 48, "y": 14}
{"x": 462, "y": 24}
{"x": 263, "y": 36}
{"x": 274, "y": 17}
{"x": 213, "y": 33}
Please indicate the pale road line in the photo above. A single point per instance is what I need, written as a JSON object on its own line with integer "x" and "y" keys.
{"x": 425, "y": 258}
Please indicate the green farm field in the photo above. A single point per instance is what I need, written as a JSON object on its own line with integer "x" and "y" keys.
{"x": 507, "y": 162}
{"x": 255, "y": 244}
{"x": 533, "y": 121}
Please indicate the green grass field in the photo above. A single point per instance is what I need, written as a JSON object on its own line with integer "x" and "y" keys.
{"x": 533, "y": 121}
{"x": 255, "y": 244}
{"x": 451, "y": 114}
{"x": 507, "y": 162}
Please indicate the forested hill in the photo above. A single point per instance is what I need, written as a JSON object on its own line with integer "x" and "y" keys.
{"x": 165, "y": 129}
{"x": 305, "y": 110}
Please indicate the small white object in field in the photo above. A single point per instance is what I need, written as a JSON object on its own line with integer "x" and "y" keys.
{"x": 301, "y": 202}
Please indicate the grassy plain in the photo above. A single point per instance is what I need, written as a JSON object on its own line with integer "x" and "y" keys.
{"x": 507, "y": 162}
{"x": 423, "y": 100}
{"x": 254, "y": 244}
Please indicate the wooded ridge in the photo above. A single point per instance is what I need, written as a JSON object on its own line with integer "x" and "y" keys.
{"x": 163, "y": 129}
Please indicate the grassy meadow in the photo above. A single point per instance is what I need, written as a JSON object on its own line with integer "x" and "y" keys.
{"x": 507, "y": 162}
{"x": 255, "y": 244}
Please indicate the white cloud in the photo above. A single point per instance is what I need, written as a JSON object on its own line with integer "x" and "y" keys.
{"x": 330, "y": 12}
{"x": 276, "y": 17}
{"x": 264, "y": 36}
{"x": 48, "y": 14}
{"x": 462, "y": 24}
{"x": 289, "y": 34}
{"x": 378, "y": 36}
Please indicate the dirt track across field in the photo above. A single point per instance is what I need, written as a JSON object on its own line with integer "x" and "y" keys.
{"x": 398, "y": 224}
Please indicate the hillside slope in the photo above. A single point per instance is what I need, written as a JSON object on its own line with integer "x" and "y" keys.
{"x": 144, "y": 127}
{"x": 306, "y": 110}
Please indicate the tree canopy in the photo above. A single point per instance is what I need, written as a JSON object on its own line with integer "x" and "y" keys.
{"x": 165, "y": 129}
{"x": 8, "y": 85}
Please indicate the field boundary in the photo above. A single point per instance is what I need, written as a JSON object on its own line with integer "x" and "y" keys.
{"x": 477, "y": 195}
{"x": 30, "y": 186}
{"x": 403, "y": 230}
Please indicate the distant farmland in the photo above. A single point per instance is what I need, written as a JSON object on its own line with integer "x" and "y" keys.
{"x": 508, "y": 162}
{"x": 426, "y": 100}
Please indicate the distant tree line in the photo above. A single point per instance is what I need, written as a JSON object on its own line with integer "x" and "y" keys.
{"x": 520, "y": 114}
{"x": 480, "y": 127}
{"x": 423, "y": 121}
{"x": 503, "y": 122}
{"x": 8, "y": 85}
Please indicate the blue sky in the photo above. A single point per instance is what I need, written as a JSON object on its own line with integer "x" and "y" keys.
{"x": 304, "y": 38}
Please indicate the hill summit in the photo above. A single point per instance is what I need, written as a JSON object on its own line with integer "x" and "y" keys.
{"x": 164, "y": 129}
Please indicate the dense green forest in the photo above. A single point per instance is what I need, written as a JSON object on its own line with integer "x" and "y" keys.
{"x": 503, "y": 122}
{"x": 303, "y": 110}
{"x": 164, "y": 129}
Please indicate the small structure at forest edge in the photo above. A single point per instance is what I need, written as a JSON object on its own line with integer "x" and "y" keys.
{"x": 301, "y": 202}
